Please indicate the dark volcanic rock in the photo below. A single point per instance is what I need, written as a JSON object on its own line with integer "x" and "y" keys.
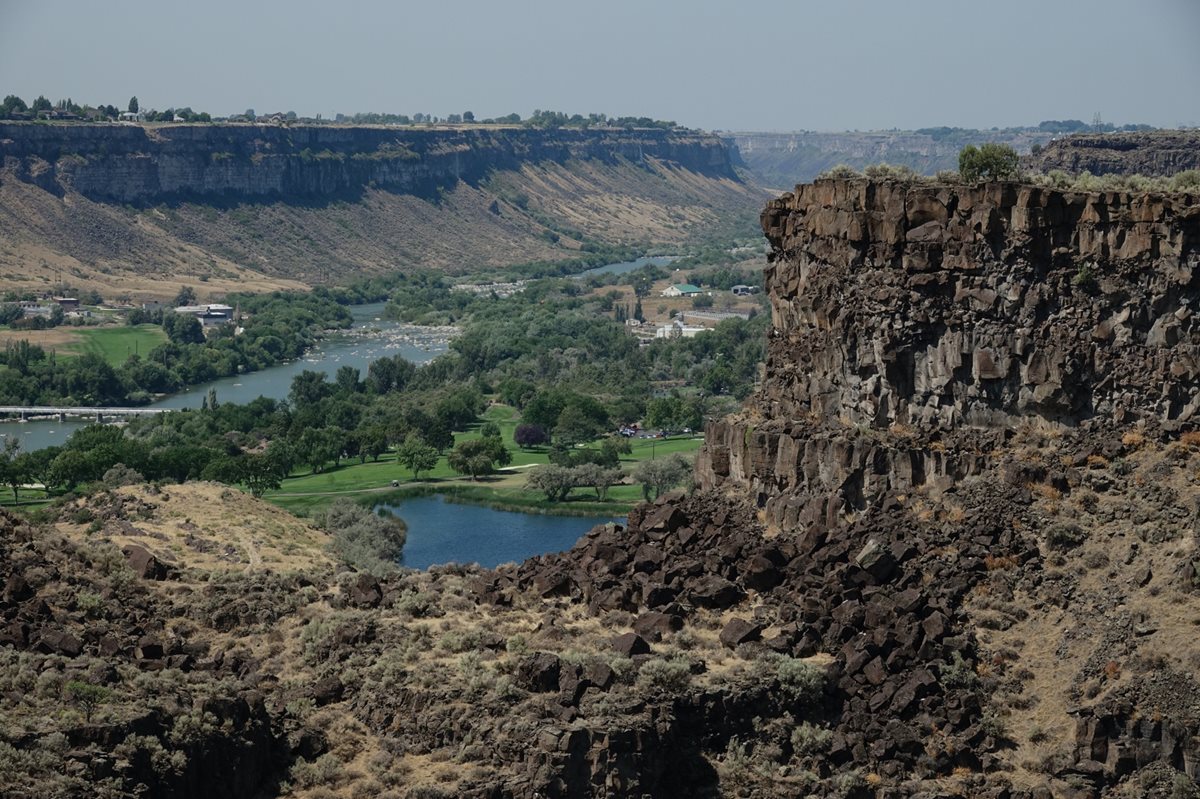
{"x": 539, "y": 672}
{"x": 740, "y": 631}
{"x": 1160, "y": 152}
{"x": 630, "y": 644}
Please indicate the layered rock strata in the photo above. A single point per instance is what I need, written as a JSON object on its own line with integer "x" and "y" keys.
{"x": 914, "y": 326}
{"x": 132, "y": 163}
{"x": 1161, "y": 153}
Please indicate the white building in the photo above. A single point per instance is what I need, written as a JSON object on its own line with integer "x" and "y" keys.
{"x": 682, "y": 290}
{"x": 678, "y": 329}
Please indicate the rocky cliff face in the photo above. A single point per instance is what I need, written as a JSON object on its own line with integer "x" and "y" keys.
{"x": 139, "y": 211}
{"x": 133, "y": 163}
{"x": 1163, "y": 152}
{"x": 978, "y": 577}
{"x": 914, "y": 325}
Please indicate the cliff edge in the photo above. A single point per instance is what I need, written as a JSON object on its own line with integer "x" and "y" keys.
{"x": 137, "y": 211}
{"x": 1160, "y": 153}
{"x": 915, "y": 326}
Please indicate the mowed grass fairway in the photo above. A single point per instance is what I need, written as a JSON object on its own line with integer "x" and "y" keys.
{"x": 113, "y": 344}
{"x": 116, "y": 344}
{"x": 305, "y": 491}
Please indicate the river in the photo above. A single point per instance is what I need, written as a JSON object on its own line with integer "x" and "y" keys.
{"x": 446, "y": 532}
{"x": 370, "y": 337}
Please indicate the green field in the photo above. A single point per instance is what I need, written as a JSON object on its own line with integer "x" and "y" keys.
{"x": 116, "y": 344}
{"x": 305, "y": 491}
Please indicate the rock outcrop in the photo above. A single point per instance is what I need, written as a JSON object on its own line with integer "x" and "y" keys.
{"x": 144, "y": 210}
{"x": 139, "y": 164}
{"x": 949, "y": 549}
{"x": 1160, "y": 152}
{"x": 914, "y": 327}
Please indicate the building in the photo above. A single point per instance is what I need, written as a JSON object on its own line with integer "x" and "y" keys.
{"x": 744, "y": 291}
{"x": 67, "y": 303}
{"x": 682, "y": 290}
{"x": 209, "y": 315}
{"x": 678, "y": 329}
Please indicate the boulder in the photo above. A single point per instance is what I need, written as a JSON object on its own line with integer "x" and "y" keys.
{"x": 740, "y": 631}
{"x": 713, "y": 591}
{"x": 144, "y": 563}
{"x": 653, "y": 625}
{"x": 630, "y": 644}
{"x": 538, "y": 672}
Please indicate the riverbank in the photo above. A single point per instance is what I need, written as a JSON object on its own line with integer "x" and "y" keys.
{"x": 368, "y": 338}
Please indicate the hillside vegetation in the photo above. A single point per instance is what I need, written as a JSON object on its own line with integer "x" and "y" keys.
{"x": 137, "y": 214}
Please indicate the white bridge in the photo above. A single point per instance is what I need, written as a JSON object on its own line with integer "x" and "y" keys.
{"x": 26, "y": 411}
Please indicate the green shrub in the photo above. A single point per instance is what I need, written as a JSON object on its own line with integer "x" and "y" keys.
{"x": 840, "y": 172}
{"x": 809, "y": 739}
{"x": 363, "y": 540}
{"x": 958, "y": 673}
{"x": 989, "y": 161}
{"x": 892, "y": 172}
{"x": 668, "y": 676}
{"x": 804, "y": 682}
{"x": 1066, "y": 535}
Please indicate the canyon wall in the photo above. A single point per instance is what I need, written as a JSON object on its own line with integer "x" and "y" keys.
{"x": 139, "y": 211}
{"x": 135, "y": 163}
{"x": 915, "y": 326}
{"x": 1161, "y": 152}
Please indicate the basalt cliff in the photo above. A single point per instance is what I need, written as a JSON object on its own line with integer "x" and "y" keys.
{"x": 949, "y": 549}
{"x": 914, "y": 327}
{"x": 1161, "y": 153}
{"x": 242, "y": 205}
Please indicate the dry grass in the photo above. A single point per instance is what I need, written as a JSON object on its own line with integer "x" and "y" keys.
{"x": 46, "y": 339}
{"x": 209, "y": 526}
{"x": 1078, "y": 650}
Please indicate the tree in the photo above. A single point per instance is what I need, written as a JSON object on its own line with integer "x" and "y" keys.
{"x": 183, "y": 328}
{"x": 468, "y": 116}
{"x": 598, "y": 477}
{"x": 41, "y": 104}
{"x": 318, "y": 446}
{"x": 260, "y": 474}
{"x": 134, "y": 107}
{"x": 69, "y": 468}
{"x": 309, "y": 388}
{"x": 555, "y": 481}
{"x": 529, "y": 435}
{"x": 416, "y": 455}
{"x": 38, "y": 465}
{"x": 989, "y": 161}
{"x": 372, "y": 441}
{"x": 613, "y": 447}
{"x": 472, "y": 457}
{"x": 663, "y": 474}
{"x": 13, "y": 465}
{"x": 282, "y": 456}
{"x": 186, "y": 295}
{"x": 87, "y": 696}
{"x": 576, "y": 426}
{"x": 347, "y": 381}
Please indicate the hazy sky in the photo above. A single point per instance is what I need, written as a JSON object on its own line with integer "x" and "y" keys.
{"x": 781, "y": 65}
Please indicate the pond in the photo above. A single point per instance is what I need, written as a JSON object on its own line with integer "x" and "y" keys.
{"x": 445, "y": 532}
